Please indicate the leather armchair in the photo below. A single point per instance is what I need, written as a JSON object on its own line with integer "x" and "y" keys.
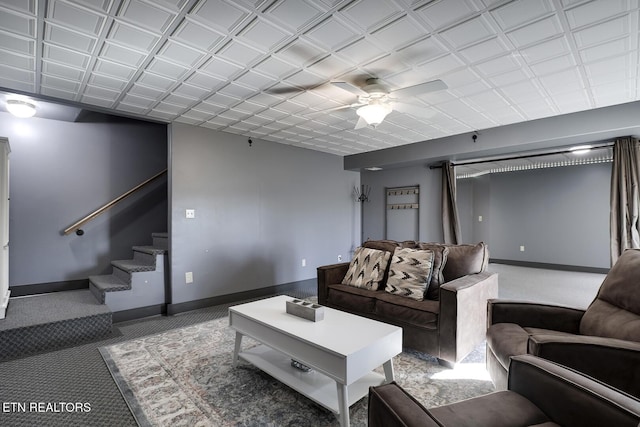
{"x": 602, "y": 341}
{"x": 539, "y": 393}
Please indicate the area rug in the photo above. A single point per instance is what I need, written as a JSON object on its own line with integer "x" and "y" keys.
{"x": 184, "y": 377}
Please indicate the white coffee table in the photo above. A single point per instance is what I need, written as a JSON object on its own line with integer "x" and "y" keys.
{"x": 343, "y": 350}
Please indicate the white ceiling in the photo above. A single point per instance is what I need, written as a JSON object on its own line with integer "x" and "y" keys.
{"x": 258, "y": 67}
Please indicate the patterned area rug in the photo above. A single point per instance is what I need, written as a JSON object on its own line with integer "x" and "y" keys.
{"x": 184, "y": 377}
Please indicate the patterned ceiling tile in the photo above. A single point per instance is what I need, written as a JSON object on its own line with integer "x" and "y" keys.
{"x": 74, "y": 40}
{"x": 402, "y": 32}
{"x": 520, "y": 12}
{"x": 484, "y": 50}
{"x": 368, "y": 17}
{"x": 263, "y": 66}
{"x": 536, "y": 32}
{"x": 594, "y": 11}
{"x": 602, "y": 32}
{"x": 441, "y": 14}
{"x": 145, "y": 15}
{"x": 332, "y": 33}
{"x": 263, "y": 35}
{"x": 17, "y": 23}
{"x": 132, "y": 36}
{"x": 107, "y": 82}
{"x": 469, "y": 32}
{"x": 197, "y": 35}
{"x": 222, "y": 15}
{"x": 181, "y": 54}
{"x": 76, "y": 17}
{"x": 294, "y": 14}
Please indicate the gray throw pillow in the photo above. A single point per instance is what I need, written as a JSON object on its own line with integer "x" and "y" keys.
{"x": 366, "y": 269}
{"x": 410, "y": 273}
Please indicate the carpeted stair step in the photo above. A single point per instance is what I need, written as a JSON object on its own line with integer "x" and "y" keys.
{"x": 151, "y": 250}
{"x": 160, "y": 240}
{"x": 98, "y": 285}
{"x": 135, "y": 265}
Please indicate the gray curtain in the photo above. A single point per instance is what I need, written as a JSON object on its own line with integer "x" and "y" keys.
{"x": 450, "y": 224}
{"x": 625, "y": 197}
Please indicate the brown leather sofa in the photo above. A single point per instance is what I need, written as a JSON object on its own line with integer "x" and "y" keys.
{"x": 449, "y": 323}
{"x": 540, "y": 393}
{"x": 602, "y": 341}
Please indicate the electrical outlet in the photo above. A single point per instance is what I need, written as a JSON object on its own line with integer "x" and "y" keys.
{"x": 190, "y": 213}
{"x": 479, "y": 218}
{"x": 339, "y": 258}
{"x": 304, "y": 262}
{"x": 522, "y": 248}
{"x": 188, "y": 277}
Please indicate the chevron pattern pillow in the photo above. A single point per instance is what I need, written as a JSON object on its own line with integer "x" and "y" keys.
{"x": 410, "y": 273}
{"x": 366, "y": 269}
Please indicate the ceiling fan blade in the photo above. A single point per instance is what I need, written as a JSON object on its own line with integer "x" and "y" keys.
{"x": 414, "y": 110}
{"x": 350, "y": 88}
{"x": 329, "y": 110}
{"x": 362, "y": 123}
{"x": 419, "y": 89}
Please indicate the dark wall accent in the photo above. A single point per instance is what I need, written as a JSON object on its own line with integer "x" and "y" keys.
{"x": 43, "y": 288}
{"x": 239, "y": 296}
{"x": 548, "y": 266}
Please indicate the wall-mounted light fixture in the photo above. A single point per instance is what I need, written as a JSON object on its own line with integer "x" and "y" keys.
{"x": 362, "y": 193}
{"x": 21, "y": 108}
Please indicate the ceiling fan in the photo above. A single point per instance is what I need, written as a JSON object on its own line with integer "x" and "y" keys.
{"x": 375, "y": 100}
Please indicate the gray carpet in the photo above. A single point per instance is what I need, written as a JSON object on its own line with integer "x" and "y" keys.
{"x": 79, "y": 374}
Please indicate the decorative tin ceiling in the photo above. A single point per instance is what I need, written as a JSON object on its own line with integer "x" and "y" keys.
{"x": 259, "y": 68}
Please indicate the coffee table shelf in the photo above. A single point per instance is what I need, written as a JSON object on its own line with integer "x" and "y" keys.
{"x": 316, "y": 386}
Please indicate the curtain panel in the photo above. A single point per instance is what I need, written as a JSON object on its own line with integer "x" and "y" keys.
{"x": 450, "y": 223}
{"x": 625, "y": 197}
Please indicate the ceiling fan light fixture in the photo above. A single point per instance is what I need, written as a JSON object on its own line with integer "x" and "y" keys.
{"x": 20, "y": 108}
{"x": 374, "y": 114}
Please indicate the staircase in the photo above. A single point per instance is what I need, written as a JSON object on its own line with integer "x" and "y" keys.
{"x": 137, "y": 282}
{"x": 57, "y": 319}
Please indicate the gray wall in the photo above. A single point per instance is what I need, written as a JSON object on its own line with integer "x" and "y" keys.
{"x": 258, "y": 212}
{"x": 61, "y": 171}
{"x": 560, "y": 215}
{"x": 374, "y": 211}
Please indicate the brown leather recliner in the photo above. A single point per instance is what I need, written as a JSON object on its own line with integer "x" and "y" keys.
{"x": 541, "y": 393}
{"x": 602, "y": 341}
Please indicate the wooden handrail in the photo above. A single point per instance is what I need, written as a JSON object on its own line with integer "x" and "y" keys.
{"x": 76, "y": 226}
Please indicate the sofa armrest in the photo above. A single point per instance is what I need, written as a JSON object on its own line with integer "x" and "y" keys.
{"x": 463, "y": 314}
{"x": 391, "y": 406}
{"x": 535, "y": 315}
{"x": 569, "y": 398}
{"x": 612, "y": 361}
{"x": 330, "y": 275}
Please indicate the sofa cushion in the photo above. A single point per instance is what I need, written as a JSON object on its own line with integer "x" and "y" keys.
{"x": 352, "y": 299}
{"x": 615, "y": 312}
{"x": 410, "y": 273}
{"x": 465, "y": 259}
{"x": 440, "y": 254}
{"x": 501, "y": 408}
{"x": 394, "y": 308}
{"x": 506, "y": 340}
{"x": 367, "y": 268}
{"x": 382, "y": 245}
{"x": 510, "y": 339}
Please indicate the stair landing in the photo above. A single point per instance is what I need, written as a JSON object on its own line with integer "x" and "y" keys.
{"x": 47, "y": 321}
